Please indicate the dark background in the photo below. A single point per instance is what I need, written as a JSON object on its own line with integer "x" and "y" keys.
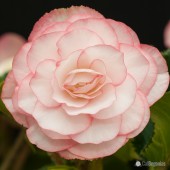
{"x": 147, "y": 17}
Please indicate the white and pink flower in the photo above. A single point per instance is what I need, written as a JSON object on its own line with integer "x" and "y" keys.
{"x": 167, "y": 35}
{"x": 83, "y": 84}
{"x": 10, "y": 43}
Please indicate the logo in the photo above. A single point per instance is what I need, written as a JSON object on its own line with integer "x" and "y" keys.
{"x": 138, "y": 164}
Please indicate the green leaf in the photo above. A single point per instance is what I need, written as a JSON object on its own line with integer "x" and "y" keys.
{"x": 121, "y": 159}
{"x": 58, "y": 167}
{"x": 144, "y": 138}
{"x": 166, "y": 55}
{"x": 159, "y": 148}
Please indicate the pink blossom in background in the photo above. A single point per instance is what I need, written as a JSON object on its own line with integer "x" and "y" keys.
{"x": 83, "y": 84}
{"x": 9, "y": 45}
{"x": 167, "y": 35}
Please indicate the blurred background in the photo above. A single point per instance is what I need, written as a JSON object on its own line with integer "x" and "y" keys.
{"x": 146, "y": 17}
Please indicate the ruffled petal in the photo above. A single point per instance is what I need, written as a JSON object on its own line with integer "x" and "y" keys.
{"x": 62, "y": 15}
{"x": 99, "y": 131}
{"x": 77, "y": 40}
{"x": 144, "y": 121}
{"x": 132, "y": 118}
{"x": 136, "y": 63}
{"x": 68, "y": 155}
{"x": 37, "y": 137}
{"x": 54, "y": 135}
{"x": 7, "y": 92}
{"x": 159, "y": 88}
{"x": 157, "y": 56}
{"x": 57, "y": 27}
{"x": 112, "y": 58}
{"x": 151, "y": 76}
{"x": 20, "y": 66}
{"x": 65, "y": 66}
{"x": 109, "y": 37}
{"x": 124, "y": 33}
{"x": 162, "y": 80}
{"x": 44, "y": 48}
{"x": 26, "y": 98}
{"x": 95, "y": 105}
{"x": 55, "y": 119}
{"x": 94, "y": 151}
{"x": 41, "y": 83}
{"x": 125, "y": 96}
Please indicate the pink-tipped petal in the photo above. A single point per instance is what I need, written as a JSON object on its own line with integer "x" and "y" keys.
{"x": 44, "y": 48}
{"x": 94, "y": 151}
{"x": 159, "y": 88}
{"x": 7, "y": 92}
{"x": 41, "y": 83}
{"x": 157, "y": 56}
{"x": 132, "y": 118}
{"x": 124, "y": 33}
{"x": 62, "y": 15}
{"x": 144, "y": 121}
{"x": 57, "y": 27}
{"x": 20, "y": 65}
{"x": 99, "y": 131}
{"x": 55, "y": 119}
{"x": 125, "y": 96}
{"x": 95, "y": 105}
{"x": 26, "y": 98}
{"x": 68, "y": 155}
{"x": 54, "y": 135}
{"x": 136, "y": 63}
{"x": 162, "y": 80}
{"x": 77, "y": 40}
{"x": 112, "y": 58}
{"x": 109, "y": 37}
{"x": 37, "y": 137}
{"x": 66, "y": 66}
{"x": 151, "y": 76}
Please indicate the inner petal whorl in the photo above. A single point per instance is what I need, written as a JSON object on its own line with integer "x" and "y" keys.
{"x": 83, "y": 82}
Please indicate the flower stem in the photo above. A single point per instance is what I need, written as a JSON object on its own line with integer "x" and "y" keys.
{"x": 12, "y": 153}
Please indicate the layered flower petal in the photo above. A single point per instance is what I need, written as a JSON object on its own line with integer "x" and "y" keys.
{"x": 20, "y": 65}
{"x": 96, "y": 104}
{"x": 112, "y": 58}
{"x": 56, "y": 120}
{"x": 162, "y": 80}
{"x": 125, "y": 96}
{"x": 62, "y": 15}
{"x": 78, "y": 39}
{"x": 37, "y": 137}
{"x": 109, "y": 37}
{"x": 132, "y": 118}
{"x": 93, "y": 151}
{"x": 43, "y": 80}
{"x": 136, "y": 63}
{"x": 109, "y": 128}
{"x": 144, "y": 121}
{"x": 47, "y": 44}
{"x": 7, "y": 93}
{"x": 26, "y": 98}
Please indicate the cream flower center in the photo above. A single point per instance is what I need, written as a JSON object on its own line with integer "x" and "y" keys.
{"x": 83, "y": 83}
